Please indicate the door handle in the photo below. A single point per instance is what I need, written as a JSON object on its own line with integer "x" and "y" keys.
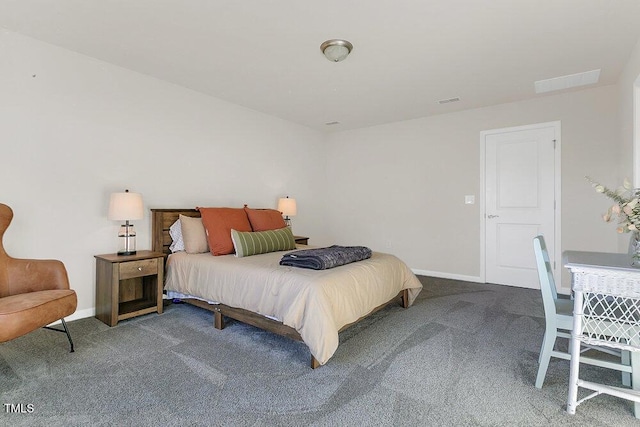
{"x": 493, "y": 216}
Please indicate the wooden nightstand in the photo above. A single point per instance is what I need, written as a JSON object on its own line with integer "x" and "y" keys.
{"x": 128, "y": 286}
{"x": 301, "y": 240}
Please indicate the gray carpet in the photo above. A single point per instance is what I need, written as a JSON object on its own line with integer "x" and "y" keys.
{"x": 464, "y": 354}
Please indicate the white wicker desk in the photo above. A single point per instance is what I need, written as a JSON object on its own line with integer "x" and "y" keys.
{"x": 603, "y": 261}
{"x": 606, "y": 274}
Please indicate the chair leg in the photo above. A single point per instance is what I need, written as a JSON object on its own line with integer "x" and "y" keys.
{"x": 66, "y": 330}
{"x": 545, "y": 356}
{"x": 544, "y": 341}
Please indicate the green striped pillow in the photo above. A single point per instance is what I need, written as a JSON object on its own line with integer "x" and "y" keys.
{"x": 247, "y": 243}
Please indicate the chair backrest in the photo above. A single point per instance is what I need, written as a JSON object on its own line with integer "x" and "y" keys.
{"x": 22, "y": 275}
{"x": 6, "y": 214}
{"x": 545, "y": 275}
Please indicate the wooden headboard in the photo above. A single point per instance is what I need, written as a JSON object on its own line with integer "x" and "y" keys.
{"x": 161, "y": 220}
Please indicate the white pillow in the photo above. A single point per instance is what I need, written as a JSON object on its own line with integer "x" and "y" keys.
{"x": 175, "y": 231}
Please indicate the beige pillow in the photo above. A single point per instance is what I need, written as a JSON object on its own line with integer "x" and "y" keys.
{"x": 194, "y": 235}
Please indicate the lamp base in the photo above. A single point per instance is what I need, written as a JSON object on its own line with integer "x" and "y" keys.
{"x": 127, "y": 240}
{"x": 124, "y": 253}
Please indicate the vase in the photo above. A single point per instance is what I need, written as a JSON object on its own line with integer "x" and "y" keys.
{"x": 634, "y": 248}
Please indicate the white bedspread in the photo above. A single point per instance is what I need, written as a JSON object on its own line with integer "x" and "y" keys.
{"x": 316, "y": 303}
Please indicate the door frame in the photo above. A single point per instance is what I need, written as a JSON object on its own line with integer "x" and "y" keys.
{"x": 557, "y": 246}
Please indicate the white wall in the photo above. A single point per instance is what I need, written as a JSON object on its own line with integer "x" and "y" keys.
{"x": 630, "y": 76}
{"x": 400, "y": 187}
{"x": 74, "y": 129}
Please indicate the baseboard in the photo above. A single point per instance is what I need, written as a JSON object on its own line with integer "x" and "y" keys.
{"x": 79, "y": 314}
{"x": 475, "y": 279}
{"x": 441, "y": 275}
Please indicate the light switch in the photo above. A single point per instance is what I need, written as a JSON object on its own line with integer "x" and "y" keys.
{"x": 469, "y": 200}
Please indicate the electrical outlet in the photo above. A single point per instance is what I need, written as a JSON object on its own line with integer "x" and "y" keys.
{"x": 469, "y": 200}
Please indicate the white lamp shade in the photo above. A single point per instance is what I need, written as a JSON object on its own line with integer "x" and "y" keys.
{"x": 287, "y": 206}
{"x": 125, "y": 206}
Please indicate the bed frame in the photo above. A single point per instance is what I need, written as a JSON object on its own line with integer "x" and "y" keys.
{"x": 162, "y": 219}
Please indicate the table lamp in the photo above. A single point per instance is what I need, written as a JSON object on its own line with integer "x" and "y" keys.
{"x": 287, "y": 207}
{"x": 126, "y": 207}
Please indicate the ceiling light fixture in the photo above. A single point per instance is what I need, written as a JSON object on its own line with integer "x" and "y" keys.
{"x": 336, "y": 50}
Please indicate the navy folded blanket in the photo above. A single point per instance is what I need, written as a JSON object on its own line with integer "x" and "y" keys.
{"x": 324, "y": 258}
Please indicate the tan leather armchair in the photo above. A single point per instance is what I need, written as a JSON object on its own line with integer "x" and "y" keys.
{"x": 33, "y": 293}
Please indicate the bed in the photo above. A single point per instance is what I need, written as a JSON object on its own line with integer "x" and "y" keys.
{"x": 312, "y": 306}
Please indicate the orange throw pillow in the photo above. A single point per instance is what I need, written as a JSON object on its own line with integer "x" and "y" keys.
{"x": 218, "y": 222}
{"x": 265, "y": 219}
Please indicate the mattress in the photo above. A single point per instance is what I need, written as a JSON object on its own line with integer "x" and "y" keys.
{"x": 316, "y": 303}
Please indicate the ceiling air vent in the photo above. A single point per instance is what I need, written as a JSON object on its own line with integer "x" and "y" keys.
{"x": 448, "y": 101}
{"x": 332, "y": 123}
{"x": 565, "y": 82}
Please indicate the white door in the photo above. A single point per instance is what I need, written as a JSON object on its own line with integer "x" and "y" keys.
{"x": 520, "y": 186}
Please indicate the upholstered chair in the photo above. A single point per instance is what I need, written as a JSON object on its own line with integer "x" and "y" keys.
{"x": 33, "y": 293}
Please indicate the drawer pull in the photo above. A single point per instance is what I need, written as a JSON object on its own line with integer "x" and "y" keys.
{"x": 139, "y": 268}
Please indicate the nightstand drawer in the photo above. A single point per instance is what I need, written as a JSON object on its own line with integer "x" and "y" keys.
{"x": 140, "y": 268}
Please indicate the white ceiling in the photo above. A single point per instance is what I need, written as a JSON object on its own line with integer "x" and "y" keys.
{"x": 408, "y": 54}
